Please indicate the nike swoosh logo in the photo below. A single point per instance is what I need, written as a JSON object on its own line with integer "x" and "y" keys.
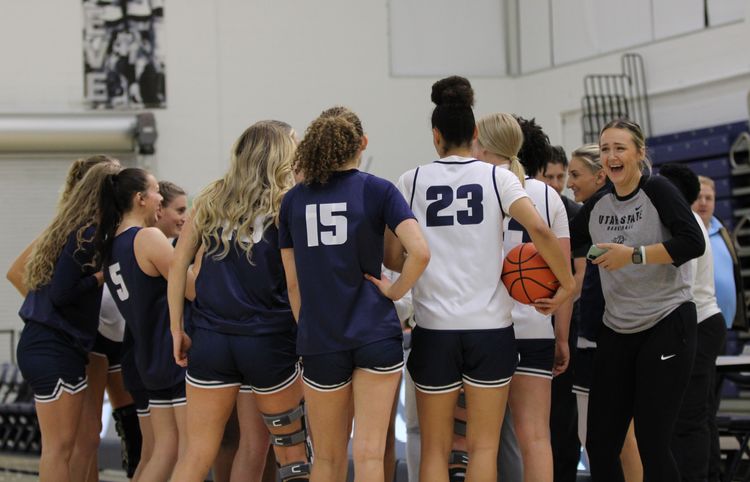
{"x": 667, "y": 357}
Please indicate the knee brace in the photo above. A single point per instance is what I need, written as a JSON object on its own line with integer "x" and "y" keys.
{"x": 457, "y": 462}
{"x": 295, "y": 471}
{"x": 126, "y": 425}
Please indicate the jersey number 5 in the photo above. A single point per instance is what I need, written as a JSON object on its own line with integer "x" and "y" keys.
{"x": 443, "y": 198}
{"x": 122, "y": 290}
{"x": 332, "y": 215}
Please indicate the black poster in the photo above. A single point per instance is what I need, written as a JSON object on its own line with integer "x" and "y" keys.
{"x": 123, "y": 57}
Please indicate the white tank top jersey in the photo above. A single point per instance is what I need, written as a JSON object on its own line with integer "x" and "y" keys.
{"x": 527, "y": 322}
{"x": 460, "y": 204}
{"x": 111, "y": 322}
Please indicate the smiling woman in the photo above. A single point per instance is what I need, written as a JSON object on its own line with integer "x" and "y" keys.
{"x": 173, "y": 212}
{"x": 646, "y": 348}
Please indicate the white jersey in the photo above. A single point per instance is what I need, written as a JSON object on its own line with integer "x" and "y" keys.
{"x": 460, "y": 204}
{"x": 704, "y": 291}
{"x": 527, "y": 322}
{"x": 111, "y": 322}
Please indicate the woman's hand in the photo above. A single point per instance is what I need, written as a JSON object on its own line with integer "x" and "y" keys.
{"x": 181, "y": 343}
{"x": 547, "y": 306}
{"x": 562, "y": 358}
{"x": 617, "y": 256}
{"x": 383, "y": 283}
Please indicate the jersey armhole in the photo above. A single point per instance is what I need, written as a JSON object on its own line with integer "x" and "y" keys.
{"x": 546, "y": 204}
{"x": 497, "y": 192}
{"x": 413, "y": 189}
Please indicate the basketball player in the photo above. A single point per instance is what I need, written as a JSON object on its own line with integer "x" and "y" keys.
{"x": 331, "y": 234}
{"x": 464, "y": 335}
{"x": 136, "y": 258}
{"x": 541, "y": 349}
{"x": 244, "y": 332}
{"x": 61, "y": 316}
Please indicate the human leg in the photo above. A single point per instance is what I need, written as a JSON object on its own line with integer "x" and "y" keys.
{"x": 664, "y": 366}
{"x": 83, "y": 461}
{"x": 611, "y": 400}
{"x": 207, "y": 412}
{"x": 485, "y": 411}
{"x": 530, "y": 403}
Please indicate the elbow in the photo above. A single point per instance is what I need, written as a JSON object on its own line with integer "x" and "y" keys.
{"x": 421, "y": 256}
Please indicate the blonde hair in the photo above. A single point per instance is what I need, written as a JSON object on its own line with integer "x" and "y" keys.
{"x": 259, "y": 175}
{"x": 708, "y": 182}
{"x": 589, "y": 154}
{"x": 501, "y": 134}
{"x": 76, "y": 213}
{"x": 77, "y": 170}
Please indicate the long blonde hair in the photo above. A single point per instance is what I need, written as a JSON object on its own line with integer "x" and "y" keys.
{"x": 501, "y": 134}
{"x": 259, "y": 175}
{"x": 77, "y": 170}
{"x": 77, "y": 211}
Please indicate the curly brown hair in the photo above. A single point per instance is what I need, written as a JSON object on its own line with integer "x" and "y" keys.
{"x": 346, "y": 113}
{"x": 329, "y": 143}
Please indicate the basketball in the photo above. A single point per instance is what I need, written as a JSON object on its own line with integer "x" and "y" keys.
{"x": 527, "y": 276}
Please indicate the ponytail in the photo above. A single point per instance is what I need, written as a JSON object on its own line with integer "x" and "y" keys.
{"x": 517, "y": 168}
{"x": 116, "y": 199}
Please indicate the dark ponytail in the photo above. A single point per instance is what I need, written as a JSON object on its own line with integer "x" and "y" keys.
{"x": 115, "y": 200}
{"x": 453, "y": 115}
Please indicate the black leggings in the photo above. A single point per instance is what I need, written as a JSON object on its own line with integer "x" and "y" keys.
{"x": 696, "y": 424}
{"x": 640, "y": 376}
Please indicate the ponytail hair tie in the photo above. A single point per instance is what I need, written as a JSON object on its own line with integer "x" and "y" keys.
{"x": 514, "y": 159}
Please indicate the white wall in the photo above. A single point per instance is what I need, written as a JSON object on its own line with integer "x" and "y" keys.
{"x": 232, "y": 62}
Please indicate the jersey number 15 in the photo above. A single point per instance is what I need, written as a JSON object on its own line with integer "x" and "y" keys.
{"x": 333, "y": 217}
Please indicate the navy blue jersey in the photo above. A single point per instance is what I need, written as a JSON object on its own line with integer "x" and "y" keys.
{"x": 70, "y": 302}
{"x": 142, "y": 300}
{"x": 336, "y": 230}
{"x": 238, "y": 296}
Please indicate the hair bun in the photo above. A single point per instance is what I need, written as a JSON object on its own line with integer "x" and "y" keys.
{"x": 453, "y": 90}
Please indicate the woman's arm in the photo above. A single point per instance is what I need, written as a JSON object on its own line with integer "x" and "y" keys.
{"x": 393, "y": 253}
{"x": 16, "y": 270}
{"x": 187, "y": 246}
{"x": 292, "y": 286}
{"x": 418, "y": 255}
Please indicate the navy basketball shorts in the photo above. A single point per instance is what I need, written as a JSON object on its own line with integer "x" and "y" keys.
{"x": 51, "y": 362}
{"x": 442, "y": 361}
{"x": 109, "y": 349}
{"x": 328, "y": 372}
{"x": 171, "y": 397}
{"x": 584, "y": 370}
{"x": 536, "y": 357}
{"x": 261, "y": 364}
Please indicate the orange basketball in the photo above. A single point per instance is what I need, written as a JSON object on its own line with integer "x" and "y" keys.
{"x": 527, "y": 276}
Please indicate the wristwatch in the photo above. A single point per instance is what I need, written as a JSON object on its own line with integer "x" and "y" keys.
{"x": 637, "y": 255}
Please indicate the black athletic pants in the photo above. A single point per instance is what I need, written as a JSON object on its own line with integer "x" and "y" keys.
{"x": 641, "y": 376}
{"x": 696, "y": 423}
{"x": 563, "y": 421}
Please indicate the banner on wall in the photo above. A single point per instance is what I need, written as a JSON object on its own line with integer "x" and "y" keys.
{"x": 123, "y": 61}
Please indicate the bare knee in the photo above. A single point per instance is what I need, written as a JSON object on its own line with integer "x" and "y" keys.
{"x": 367, "y": 450}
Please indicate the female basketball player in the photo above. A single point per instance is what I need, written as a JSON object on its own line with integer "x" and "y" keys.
{"x": 541, "y": 349}
{"x": 464, "y": 335}
{"x": 585, "y": 178}
{"x": 173, "y": 212}
{"x": 331, "y": 235}
{"x": 646, "y": 348}
{"x": 136, "y": 258}
{"x": 241, "y": 310}
{"x": 61, "y": 315}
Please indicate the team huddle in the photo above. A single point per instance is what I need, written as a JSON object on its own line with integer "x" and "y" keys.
{"x": 271, "y": 307}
